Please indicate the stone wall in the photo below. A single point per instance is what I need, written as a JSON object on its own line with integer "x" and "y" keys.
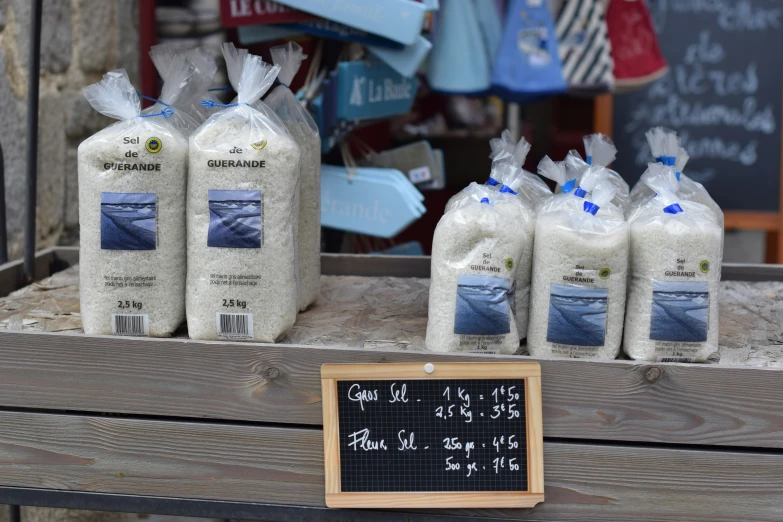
{"x": 81, "y": 40}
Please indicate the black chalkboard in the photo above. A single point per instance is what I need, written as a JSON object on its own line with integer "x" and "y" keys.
{"x": 432, "y": 435}
{"x": 723, "y": 95}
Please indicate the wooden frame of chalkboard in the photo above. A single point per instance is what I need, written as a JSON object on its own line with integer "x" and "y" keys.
{"x": 332, "y": 374}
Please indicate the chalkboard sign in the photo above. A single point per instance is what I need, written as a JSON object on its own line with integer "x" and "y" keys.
{"x": 723, "y": 95}
{"x": 435, "y": 435}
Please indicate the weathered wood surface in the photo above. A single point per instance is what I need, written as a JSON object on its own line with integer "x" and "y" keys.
{"x": 389, "y": 312}
{"x": 617, "y": 400}
{"x": 246, "y": 463}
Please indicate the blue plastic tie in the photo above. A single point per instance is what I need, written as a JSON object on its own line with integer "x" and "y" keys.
{"x": 209, "y": 104}
{"x": 678, "y": 174}
{"x": 227, "y": 88}
{"x": 666, "y": 160}
{"x": 485, "y": 200}
{"x": 589, "y": 160}
{"x": 492, "y": 182}
{"x": 580, "y": 192}
{"x": 674, "y": 208}
{"x": 591, "y": 207}
{"x": 167, "y": 111}
{"x": 569, "y": 186}
{"x": 508, "y": 190}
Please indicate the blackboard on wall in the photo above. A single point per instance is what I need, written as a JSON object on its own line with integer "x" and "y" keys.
{"x": 722, "y": 94}
{"x": 438, "y": 435}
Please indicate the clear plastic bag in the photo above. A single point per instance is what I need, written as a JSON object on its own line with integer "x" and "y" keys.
{"x": 533, "y": 191}
{"x": 574, "y": 195}
{"x": 183, "y": 85}
{"x": 305, "y": 132}
{"x": 580, "y": 265}
{"x": 243, "y": 192}
{"x": 206, "y": 67}
{"x": 132, "y": 182}
{"x": 474, "y": 260}
{"x": 676, "y": 256}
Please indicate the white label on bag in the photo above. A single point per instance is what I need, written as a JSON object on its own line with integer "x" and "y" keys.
{"x": 134, "y": 325}
{"x": 234, "y": 326}
{"x": 420, "y": 174}
{"x": 662, "y": 358}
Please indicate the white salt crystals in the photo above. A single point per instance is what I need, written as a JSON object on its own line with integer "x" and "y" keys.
{"x": 474, "y": 256}
{"x": 305, "y": 132}
{"x": 132, "y": 179}
{"x": 580, "y": 265}
{"x": 676, "y": 255}
{"x": 242, "y": 197}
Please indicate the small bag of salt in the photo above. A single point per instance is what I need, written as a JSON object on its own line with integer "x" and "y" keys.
{"x": 183, "y": 84}
{"x": 676, "y": 255}
{"x": 580, "y": 265}
{"x": 132, "y": 180}
{"x": 243, "y": 191}
{"x": 474, "y": 256}
{"x": 305, "y": 132}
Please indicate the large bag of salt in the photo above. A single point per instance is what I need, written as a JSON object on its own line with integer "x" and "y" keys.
{"x": 132, "y": 178}
{"x": 676, "y": 255}
{"x": 475, "y": 253}
{"x": 243, "y": 189}
{"x": 580, "y": 265}
{"x": 305, "y": 132}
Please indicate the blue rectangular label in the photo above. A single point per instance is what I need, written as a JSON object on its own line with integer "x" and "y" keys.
{"x": 128, "y": 221}
{"x": 235, "y": 219}
{"x": 577, "y": 315}
{"x": 368, "y": 91}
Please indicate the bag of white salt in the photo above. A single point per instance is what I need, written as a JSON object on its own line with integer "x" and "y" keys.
{"x": 676, "y": 255}
{"x": 474, "y": 256}
{"x": 243, "y": 189}
{"x": 580, "y": 265}
{"x": 132, "y": 179}
{"x": 303, "y": 129}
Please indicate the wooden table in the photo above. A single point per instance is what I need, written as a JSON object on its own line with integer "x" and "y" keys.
{"x": 233, "y": 430}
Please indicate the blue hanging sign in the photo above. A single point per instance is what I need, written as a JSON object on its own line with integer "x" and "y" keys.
{"x": 373, "y": 90}
{"x": 336, "y": 31}
{"x": 398, "y": 20}
{"x": 365, "y": 204}
{"x": 405, "y": 61}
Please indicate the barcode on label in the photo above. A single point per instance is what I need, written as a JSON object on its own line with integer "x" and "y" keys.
{"x": 676, "y": 359}
{"x": 137, "y": 325}
{"x": 490, "y": 352}
{"x": 235, "y": 326}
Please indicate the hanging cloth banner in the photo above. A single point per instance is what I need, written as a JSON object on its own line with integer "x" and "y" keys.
{"x": 638, "y": 60}
{"x": 528, "y": 64}
{"x": 459, "y": 61}
{"x": 584, "y": 46}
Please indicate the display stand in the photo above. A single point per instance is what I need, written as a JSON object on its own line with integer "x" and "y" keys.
{"x": 233, "y": 430}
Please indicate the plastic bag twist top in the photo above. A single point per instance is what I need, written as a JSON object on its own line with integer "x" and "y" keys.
{"x": 663, "y": 181}
{"x": 602, "y": 194}
{"x": 600, "y": 149}
{"x": 177, "y": 74}
{"x": 594, "y": 175}
{"x": 554, "y": 170}
{"x": 114, "y": 96}
{"x": 664, "y": 144}
{"x": 249, "y": 75}
{"x": 680, "y": 161}
{"x": 205, "y": 64}
{"x": 518, "y": 150}
{"x": 289, "y": 57}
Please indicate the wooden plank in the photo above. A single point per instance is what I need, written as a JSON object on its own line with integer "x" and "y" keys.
{"x": 47, "y": 261}
{"x": 612, "y": 400}
{"x": 274, "y": 465}
{"x": 603, "y": 109}
{"x": 746, "y": 220}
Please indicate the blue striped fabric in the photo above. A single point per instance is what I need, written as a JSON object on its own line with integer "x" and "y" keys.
{"x": 585, "y": 51}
